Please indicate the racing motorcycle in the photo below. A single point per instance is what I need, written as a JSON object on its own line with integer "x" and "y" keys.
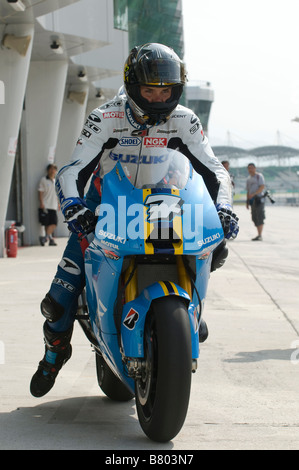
{"x": 147, "y": 272}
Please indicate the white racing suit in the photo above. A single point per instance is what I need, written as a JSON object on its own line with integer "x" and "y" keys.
{"x": 111, "y": 134}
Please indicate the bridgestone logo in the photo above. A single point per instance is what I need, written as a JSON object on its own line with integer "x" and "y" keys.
{"x": 155, "y": 141}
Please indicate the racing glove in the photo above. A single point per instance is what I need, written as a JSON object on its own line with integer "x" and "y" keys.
{"x": 229, "y": 220}
{"x": 79, "y": 218}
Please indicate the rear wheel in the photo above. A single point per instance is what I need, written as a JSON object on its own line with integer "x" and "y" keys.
{"x": 109, "y": 383}
{"x": 163, "y": 391}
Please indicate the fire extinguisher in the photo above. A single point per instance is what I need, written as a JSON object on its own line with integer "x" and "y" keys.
{"x": 12, "y": 241}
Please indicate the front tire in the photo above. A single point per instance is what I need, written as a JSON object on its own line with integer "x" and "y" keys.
{"x": 163, "y": 391}
{"x": 109, "y": 383}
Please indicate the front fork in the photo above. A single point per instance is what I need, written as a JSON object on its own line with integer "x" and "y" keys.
{"x": 137, "y": 368}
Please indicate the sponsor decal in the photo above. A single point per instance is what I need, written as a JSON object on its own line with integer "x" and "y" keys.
{"x": 92, "y": 126}
{"x": 163, "y": 207}
{"x": 110, "y": 254}
{"x": 111, "y": 236}
{"x": 195, "y": 128}
{"x": 93, "y": 117}
{"x": 129, "y": 141}
{"x": 124, "y": 129}
{"x": 131, "y": 119}
{"x": 145, "y": 159}
{"x": 101, "y": 309}
{"x": 110, "y": 245}
{"x": 155, "y": 141}
{"x": 131, "y": 319}
{"x": 206, "y": 240}
{"x": 64, "y": 284}
{"x": 111, "y": 104}
{"x": 70, "y": 266}
{"x": 170, "y": 131}
{"x": 86, "y": 133}
{"x": 140, "y": 132}
{"x": 114, "y": 115}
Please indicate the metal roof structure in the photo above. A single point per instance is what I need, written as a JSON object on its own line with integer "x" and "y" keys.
{"x": 263, "y": 156}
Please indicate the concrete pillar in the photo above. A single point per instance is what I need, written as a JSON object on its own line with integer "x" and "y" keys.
{"x": 73, "y": 116}
{"x": 40, "y": 125}
{"x": 14, "y": 66}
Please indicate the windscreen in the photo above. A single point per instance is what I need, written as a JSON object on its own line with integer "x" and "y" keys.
{"x": 162, "y": 169}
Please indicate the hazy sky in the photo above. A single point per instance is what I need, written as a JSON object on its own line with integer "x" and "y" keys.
{"x": 249, "y": 51}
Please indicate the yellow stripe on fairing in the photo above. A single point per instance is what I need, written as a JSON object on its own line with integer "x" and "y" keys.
{"x": 174, "y": 288}
{"x": 164, "y": 288}
{"x": 148, "y": 227}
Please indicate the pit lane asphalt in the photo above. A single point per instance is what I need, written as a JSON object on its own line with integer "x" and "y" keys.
{"x": 244, "y": 393}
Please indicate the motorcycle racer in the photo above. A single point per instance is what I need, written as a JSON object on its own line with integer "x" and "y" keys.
{"x": 144, "y": 116}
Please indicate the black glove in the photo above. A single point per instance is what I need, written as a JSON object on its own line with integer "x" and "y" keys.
{"x": 80, "y": 219}
{"x": 229, "y": 220}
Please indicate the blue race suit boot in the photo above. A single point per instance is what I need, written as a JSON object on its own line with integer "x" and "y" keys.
{"x": 58, "y": 351}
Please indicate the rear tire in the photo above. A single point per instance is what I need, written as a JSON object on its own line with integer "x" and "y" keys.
{"x": 109, "y": 383}
{"x": 162, "y": 394}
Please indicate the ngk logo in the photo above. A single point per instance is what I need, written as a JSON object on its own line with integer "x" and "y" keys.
{"x": 155, "y": 141}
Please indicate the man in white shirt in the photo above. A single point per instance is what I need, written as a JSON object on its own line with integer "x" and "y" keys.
{"x": 48, "y": 205}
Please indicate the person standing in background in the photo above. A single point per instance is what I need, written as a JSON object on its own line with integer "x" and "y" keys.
{"x": 225, "y": 163}
{"x": 255, "y": 186}
{"x": 48, "y": 206}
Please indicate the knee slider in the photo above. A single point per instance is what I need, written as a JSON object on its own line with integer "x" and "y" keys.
{"x": 219, "y": 256}
{"x": 51, "y": 309}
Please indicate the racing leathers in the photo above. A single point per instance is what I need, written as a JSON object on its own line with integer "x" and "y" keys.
{"x": 111, "y": 134}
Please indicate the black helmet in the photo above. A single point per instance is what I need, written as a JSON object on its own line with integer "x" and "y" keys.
{"x": 153, "y": 65}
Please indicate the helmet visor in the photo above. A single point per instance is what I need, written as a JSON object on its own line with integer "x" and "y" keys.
{"x": 160, "y": 72}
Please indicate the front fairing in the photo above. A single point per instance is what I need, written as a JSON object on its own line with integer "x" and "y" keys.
{"x": 158, "y": 217}
{"x": 151, "y": 216}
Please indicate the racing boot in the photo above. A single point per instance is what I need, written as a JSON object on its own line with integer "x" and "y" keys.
{"x": 203, "y": 331}
{"x": 58, "y": 350}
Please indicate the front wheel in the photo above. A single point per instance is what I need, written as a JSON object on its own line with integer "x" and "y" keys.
{"x": 163, "y": 391}
{"x": 109, "y": 383}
